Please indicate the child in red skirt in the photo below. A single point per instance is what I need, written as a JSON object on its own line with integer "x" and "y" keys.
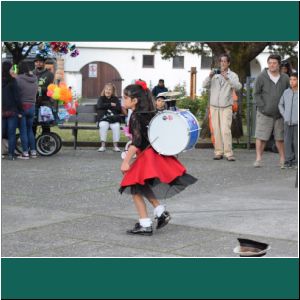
{"x": 151, "y": 175}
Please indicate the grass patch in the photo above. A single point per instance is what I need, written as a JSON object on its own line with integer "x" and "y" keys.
{"x": 93, "y": 135}
{"x": 85, "y": 135}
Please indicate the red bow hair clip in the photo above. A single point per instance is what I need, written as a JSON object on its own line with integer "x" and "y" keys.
{"x": 142, "y": 83}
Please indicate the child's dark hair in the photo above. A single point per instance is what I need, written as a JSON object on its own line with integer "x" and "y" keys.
{"x": 295, "y": 74}
{"x": 288, "y": 66}
{"x": 6, "y": 77}
{"x": 23, "y": 68}
{"x": 144, "y": 97}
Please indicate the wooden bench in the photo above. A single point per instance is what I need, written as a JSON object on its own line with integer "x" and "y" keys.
{"x": 85, "y": 114}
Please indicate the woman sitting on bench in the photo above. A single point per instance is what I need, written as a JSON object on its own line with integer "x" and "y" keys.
{"x": 109, "y": 115}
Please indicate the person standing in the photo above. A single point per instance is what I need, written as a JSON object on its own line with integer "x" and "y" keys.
{"x": 288, "y": 107}
{"x": 222, "y": 82}
{"x": 286, "y": 68}
{"x": 11, "y": 108}
{"x": 160, "y": 88}
{"x": 44, "y": 77}
{"x": 268, "y": 88}
{"x": 28, "y": 87}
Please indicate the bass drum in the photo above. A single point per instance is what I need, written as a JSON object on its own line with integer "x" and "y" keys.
{"x": 172, "y": 132}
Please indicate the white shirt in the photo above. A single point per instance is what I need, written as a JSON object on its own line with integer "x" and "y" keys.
{"x": 273, "y": 78}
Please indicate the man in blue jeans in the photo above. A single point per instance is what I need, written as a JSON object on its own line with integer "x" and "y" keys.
{"x": 28, "y": 87}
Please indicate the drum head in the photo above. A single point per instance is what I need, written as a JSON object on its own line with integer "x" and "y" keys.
{"x": 168, "y": 133}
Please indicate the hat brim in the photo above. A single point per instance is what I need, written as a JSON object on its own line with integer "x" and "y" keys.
{"x": 253, "y": 253}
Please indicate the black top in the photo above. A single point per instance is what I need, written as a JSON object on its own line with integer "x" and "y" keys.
{"x": 158, "y": 89}
{"x": 104, "y": 104}
{"x": 11, "y": 101}
{"x": 44, "y": 77}
{"x": 138, "y": 127}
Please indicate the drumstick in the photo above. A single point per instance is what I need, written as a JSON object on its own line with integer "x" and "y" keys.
{"x": 154, "y": 140}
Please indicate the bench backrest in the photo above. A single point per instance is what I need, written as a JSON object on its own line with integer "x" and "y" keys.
{"x": 85, "y": 114}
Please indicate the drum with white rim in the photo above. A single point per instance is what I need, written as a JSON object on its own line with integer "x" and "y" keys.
{"x": 172, "y": 132}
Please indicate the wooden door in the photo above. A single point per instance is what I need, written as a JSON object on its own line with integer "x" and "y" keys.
{"x": 93, "y": 81}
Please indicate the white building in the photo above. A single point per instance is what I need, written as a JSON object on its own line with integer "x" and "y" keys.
{"x": 123, "y": 62}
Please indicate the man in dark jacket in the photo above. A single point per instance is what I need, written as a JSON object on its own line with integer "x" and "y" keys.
{"x": 11, "y": 108}
{"x": 160, "y": 88}
{"x": 268, "y": 88}
{"x": 45, "y": 77}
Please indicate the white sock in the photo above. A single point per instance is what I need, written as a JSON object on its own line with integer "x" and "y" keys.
{"x": 146, "y": 222}
{"x": 158, "y": 210}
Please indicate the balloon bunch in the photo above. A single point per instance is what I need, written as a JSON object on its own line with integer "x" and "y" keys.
{"x": 58, "y": 48}
{"x": 71, "y": 107}
{"x": 63, "y": 95}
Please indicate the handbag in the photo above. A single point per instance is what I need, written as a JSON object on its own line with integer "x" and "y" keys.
{"x": 110, "y": 117}
{"x": 45, "y": 114}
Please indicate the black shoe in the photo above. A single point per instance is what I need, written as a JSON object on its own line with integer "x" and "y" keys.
{"x": 138, "y": 229}
{"x": 218, "y": 157}
{"x": 288, "y": 164}
{"x": 163, "y": 220}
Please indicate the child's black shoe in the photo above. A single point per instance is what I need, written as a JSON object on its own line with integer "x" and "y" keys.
{"x": 138, "y": 229}
{"x": 163, "y": 220}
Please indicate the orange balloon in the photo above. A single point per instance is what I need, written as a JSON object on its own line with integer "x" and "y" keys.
{"x": 51, "y": 87}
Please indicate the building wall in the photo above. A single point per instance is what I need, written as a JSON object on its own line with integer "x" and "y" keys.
{"x": 127, "y": 58}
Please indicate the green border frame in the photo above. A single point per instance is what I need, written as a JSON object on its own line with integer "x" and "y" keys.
{"x": 164, "y": 278}
{"x": 193, "y": 278}
{"x": 150, "y": 21}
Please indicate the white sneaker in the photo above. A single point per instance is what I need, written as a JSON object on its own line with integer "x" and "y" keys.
{"x": 117, "y": 149}
{"x": 24, "y": 155}
{"x": 258, "y": 164}
{"x": 33, "y": 154}
{"x": 101, "y": 149}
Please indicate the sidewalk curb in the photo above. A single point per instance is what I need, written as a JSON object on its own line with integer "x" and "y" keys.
{"x": 122, "y": 144}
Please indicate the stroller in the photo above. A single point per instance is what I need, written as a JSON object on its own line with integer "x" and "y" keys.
{"x": 47, "y": 143}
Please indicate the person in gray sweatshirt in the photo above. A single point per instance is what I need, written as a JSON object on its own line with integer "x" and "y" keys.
{"x": 28, "y": 87}
{"x": 268, "y": 88}
{"x": 288, "y": 107}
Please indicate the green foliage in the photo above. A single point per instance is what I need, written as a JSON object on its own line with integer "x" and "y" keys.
{"x": 19, "y": 50}
{"x": 171, "y": 49}
{"x": 180, "y": 88}
{"x": 203, "y": 104}
{"x": 197, "y": 106}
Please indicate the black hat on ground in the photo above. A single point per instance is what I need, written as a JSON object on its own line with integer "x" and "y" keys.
{"x": 251, "y": 248}
{"x": 40, "y": 57}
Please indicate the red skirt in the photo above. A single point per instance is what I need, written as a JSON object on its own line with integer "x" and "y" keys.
{"x": 155, "y": 175}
